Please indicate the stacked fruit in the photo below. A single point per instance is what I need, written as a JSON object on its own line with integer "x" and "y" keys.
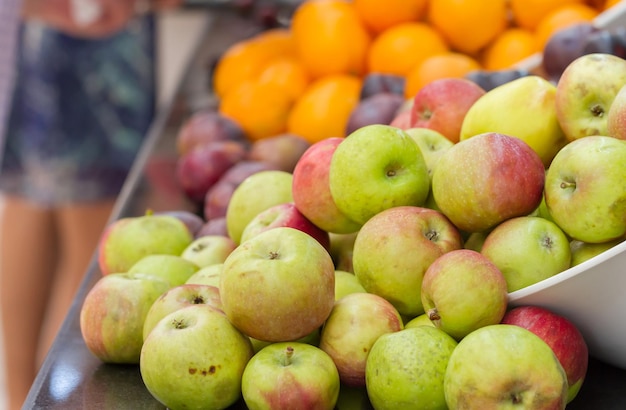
{"x": 378, "y": 269}
{"x": 306, "y": 79}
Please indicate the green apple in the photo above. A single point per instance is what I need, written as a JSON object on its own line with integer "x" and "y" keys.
{"x": 585, "y": 93}
{"x": 113, "y": 313}
{"x": 421, "y": 320}
{"x": 523, "y": 108}
{"x": 195, "y": 358}
{"x": 209, "y": 275}
{"x": 395, "y": 247}
{"x": 527, "y": 249}
{"x": 179, "y": 297}
{"x": 405, "y": 369}
{"x": 175, "y": 269}
{"x": 432, "y": 145}
{"x": 585, "y": 190}
{"x": 290, "y": 375}
{"x": 484, "y": 180}
{"x": 377, "y": 167}
{"x": 256, "y": 193}
{"x": 278, "y": 285}
{"x": 346, "y": 283}
{"x": 504, "y": 366}
{"x": 582, "y": 251}
{"x": 129, "y": 239}
{"x": 355, "y": 323}
{"x": 463, "y": 291}
{"x": 208, "y": 250}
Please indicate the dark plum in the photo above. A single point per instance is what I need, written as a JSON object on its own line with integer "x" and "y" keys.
{"x": 376, "y": 83}
{"x": 200, "y": 168}
{"x": 379, "y": 108}
{"x": 207, "y": 126}
{"x": 565, "y": 46}
{"x": 490, "y": 79}
{"x": 283, "y": 150}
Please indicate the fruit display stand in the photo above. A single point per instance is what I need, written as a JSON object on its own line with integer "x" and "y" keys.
{"x": 71, "y": 376}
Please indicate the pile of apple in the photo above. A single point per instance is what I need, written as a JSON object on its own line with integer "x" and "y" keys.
{"x": 377, "y": 272}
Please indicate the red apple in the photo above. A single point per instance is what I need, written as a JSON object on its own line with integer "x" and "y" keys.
{"x": 311, "y": 190}
{"x": 441, "y": 105}
{"x": 113, "y": 313}
{"x": 484, "y": 180}
{"x": 380, "y": 108}
{"x": 561, "y": 335}
{"x": 204, "y": 127}
{"x": 394, "y": 248}
{"x": 200, "y": 168}
{"x": 284, "y": 215}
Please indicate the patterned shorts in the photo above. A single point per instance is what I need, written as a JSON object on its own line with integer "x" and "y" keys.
{"x": 81, "y": 110}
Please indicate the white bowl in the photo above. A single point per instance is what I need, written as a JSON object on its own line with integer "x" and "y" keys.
{"x": 592, "y": 295}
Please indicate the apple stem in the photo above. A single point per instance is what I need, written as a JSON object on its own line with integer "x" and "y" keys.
{"x": 288, "y": 355}
{"x": 433, "y": 314}
{"x": 565, "y": 185}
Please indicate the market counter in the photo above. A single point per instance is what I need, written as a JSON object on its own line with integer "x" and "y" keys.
{"x": 71, "y": 377}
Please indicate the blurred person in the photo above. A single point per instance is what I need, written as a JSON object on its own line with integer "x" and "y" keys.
{"x": 82, "y": 102}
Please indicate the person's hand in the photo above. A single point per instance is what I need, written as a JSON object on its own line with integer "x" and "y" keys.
{"x": 106, "y": 17}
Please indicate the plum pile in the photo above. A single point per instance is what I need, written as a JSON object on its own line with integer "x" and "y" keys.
{"x": 215, "y": 156}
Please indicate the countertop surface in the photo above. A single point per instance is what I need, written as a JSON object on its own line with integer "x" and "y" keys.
{"x": 72, "y": 378}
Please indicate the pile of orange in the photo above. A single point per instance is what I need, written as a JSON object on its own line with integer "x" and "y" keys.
{"x": 306, "y": 79}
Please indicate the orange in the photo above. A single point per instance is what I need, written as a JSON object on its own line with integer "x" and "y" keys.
{"x": 261, "y": 109}
{"x": 610, "y": 3}
{"x": 446, "y": 65}
{"x": 469, "y": 25}
{"x": 512, "y": 46}
{"x": 399, "y": 48}
{"x": 380, "y": 15}
{"x": 325, "y": 107}
{"x": 528, "y": 13}
{"x": 561, "y": 18}
{"x": 245, "y": 59}
{"x": 330, "y": 37}
{"x": 286, "y": 73}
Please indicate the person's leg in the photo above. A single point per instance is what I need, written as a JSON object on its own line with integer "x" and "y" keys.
{"x": 27, "y": 260}
{"x": 79, "y": 227}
